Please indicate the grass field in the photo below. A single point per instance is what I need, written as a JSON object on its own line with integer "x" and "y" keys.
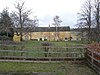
{"x": 63, "y": 68}
{"x": 53, "y": 43}
{"x": 35, "y": 49}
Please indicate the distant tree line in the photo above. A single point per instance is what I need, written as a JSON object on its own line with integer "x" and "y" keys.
{"x": 89, "y": 20}
{"x": 9, "y": 22}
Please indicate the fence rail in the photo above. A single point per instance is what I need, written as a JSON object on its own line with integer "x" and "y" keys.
{"x": 93, "y": 59}
{"x": 45, "y": 53}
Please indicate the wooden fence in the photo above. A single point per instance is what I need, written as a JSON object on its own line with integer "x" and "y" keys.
{"x": 93, "y": 58}
{"x": 20, "y": 53}
{"x": 45, "y": 53}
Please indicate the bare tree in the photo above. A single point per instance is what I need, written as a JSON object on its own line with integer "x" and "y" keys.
{"x": 85, "y": 17}
{"x": 21, "y": 17}
{"x": 97, "y": 19}
{"x": 56, "y": 23}
{"x": 35, "y": 21}
{"x": 34, "y": 24}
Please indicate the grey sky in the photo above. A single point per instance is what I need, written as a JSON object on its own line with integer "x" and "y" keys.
{"x": 45, "y": 10}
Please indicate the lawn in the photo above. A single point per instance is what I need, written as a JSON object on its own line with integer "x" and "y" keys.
{"x": 35, "y": 48}
{"x": 58, "y": 68}
{"x": 53, "y": 43}
{"x": 35, "y": 52}
{"x": 63, "y": 68}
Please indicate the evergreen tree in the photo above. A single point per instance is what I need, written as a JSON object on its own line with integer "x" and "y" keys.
{"x": 6, "y": 24}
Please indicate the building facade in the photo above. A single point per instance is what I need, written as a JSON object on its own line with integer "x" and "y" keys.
{"x": 47, "y": 33}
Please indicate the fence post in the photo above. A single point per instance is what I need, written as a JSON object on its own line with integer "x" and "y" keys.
{"x": 92, "y": 57}
{"x": 14, "y": 50}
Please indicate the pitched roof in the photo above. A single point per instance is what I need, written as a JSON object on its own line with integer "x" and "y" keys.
{"x": 44, "y": 29}
{"x": 51, "y": 29}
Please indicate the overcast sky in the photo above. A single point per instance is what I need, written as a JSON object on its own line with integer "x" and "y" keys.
{"x": 45, "y": 10}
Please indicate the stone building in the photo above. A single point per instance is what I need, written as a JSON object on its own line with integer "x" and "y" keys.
{"x": 47, "y": 33}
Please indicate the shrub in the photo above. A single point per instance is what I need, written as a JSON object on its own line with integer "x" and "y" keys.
{"x": 46, "y": 49}
{"x": 94, "y": 46}
{"x": 5, "y": 38}
{"x": 6, "y": 35}
{"x": 46, "y": 44}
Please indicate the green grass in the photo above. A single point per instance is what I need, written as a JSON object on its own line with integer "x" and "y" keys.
{"x": 64, "y": 68}
{"x": 59, "y": 68}
{"x": 38, "y": 51}
{"x": 54, "y": 43}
